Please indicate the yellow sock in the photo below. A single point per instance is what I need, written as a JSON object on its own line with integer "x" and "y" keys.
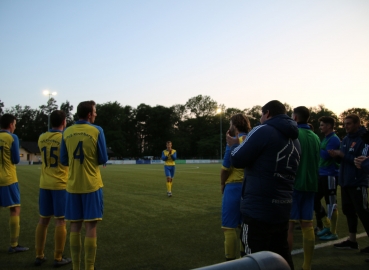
{"x": 41, "y": 231}
{"x": 326, "y": 222}
{"x": 308, "y": 246}
{"x": 60, "y": 236}
{"x": 169, "y": 186}
{"x": 334, "y": 221}
{"x": 14, "y": 230}
{"x": 230, "y": 244}
{"x": 75, "y": 249}
{"x": 90, "y": 252}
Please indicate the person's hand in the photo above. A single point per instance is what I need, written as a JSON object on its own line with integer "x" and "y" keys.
{"x": 231, "y": 140}
{"x": 359, "y": 160}
{"x": 170, "y": 152}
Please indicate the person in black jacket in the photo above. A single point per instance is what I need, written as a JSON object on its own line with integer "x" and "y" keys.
{"x": 353, "y": 181}
{"x": 270, "y": 155}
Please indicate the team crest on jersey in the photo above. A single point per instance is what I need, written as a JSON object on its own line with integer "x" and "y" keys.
{"x": 352, "y": 147}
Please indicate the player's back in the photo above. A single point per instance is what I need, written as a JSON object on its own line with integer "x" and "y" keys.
{"x": 81, "y": 143}
{"x": 54, "y": 175}
{"x": 308, "y": 171}
{"x": 8, "y": 142}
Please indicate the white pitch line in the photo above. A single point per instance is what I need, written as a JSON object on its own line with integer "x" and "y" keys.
{"x": 330, "y": 243}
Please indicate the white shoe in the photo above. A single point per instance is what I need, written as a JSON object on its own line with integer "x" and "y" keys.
{"x": 169, "y": 194}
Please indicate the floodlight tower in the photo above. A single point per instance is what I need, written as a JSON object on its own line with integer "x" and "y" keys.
{"x": 219, "y": 110}
{"x": 48, "y": 93}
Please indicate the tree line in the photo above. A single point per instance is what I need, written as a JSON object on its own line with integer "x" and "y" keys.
{"x": 193, "y": 127}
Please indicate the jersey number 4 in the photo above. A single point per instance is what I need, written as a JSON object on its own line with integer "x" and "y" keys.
{"x": 78, "y": 152}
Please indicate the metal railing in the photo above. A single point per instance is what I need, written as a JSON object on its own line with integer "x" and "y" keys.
{"x": 263, "y": 260}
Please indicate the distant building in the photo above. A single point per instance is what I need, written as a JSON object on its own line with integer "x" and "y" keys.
{"x": 29, "y": 152}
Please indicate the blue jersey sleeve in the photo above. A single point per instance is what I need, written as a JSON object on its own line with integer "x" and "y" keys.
{"x": 63, "y": 153}
{"x": 227, "y": 160}
{"x": 15, "y": 150}
{"x": 101, "y": 148}
{"x": 164, "y": 157}
{"x": 174, "y": 156}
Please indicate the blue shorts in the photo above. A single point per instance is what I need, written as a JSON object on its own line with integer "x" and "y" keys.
{"x": 231, "y": 214}
{"x": 84, "y": 206}
{"x": 52, "y": 203}
{"x": 10, "y": 195}
{"x": 302, "y": 206}
{"x": 169, "y": 171}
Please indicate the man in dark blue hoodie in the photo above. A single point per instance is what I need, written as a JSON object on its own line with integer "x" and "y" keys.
{"x": 353, "y": 181}
{"x": 270, "y": 155}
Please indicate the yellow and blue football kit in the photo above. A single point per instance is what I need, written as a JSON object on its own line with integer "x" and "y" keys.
{"x": 52, "y": 195}
{"x": 54, "y": 175}
{"x": 83, "y": 149}
{"x": 169, "y": 167}
{"x": 9, "y": 190}
{"x": 9, "y": 156}
{"x": 231, "y": 214}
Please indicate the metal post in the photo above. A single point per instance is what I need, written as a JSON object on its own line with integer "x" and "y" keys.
{"x": 48, "y": 117}
{"x": 221, "y": 148}
{"x": 48, "y": 93}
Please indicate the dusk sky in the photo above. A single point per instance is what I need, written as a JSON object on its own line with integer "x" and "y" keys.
{"x": 240, "y": 53}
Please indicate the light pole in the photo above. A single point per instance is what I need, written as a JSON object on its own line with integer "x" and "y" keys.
{"x": 219, "y": 110}
{"x": 48, "y": 93}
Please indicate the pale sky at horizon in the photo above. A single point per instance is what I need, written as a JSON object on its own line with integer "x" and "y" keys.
{"x": 240, "y": 53}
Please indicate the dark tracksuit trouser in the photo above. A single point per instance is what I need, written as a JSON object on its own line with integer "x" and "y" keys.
{"x": 354, "y": 205}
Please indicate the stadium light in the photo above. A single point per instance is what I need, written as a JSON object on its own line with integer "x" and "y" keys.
{"x": 48, "y": 93}
{"x": 219, "y": 110}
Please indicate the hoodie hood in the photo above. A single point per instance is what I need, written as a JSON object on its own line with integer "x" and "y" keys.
{"x": 285, "y": 124}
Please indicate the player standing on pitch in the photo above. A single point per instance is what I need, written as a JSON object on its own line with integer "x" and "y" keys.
{"x": 9, "y": 190}
{"x": 169, "y": 156}
{"x": 53, "y": 183}
{"x": 83, "y": 149}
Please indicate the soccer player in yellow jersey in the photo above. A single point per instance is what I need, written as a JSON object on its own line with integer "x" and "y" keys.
{"x": 9, "y": 190}
{"x": 83, "y": 149}
{"x": 231, "y": 187}
{"x": 169, "y": 156}
{"x": 53, "y": 182}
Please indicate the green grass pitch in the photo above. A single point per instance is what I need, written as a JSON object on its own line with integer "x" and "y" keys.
{"x": 144, "y": 229}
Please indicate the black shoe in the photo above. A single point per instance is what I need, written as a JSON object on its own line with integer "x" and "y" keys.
{"x": 40, "y": 261}
{"x": 365, "y": 250}
{"x": 17, "y": 249}
{"x": 62, "y": 262}
{"x": 347, "y": 245}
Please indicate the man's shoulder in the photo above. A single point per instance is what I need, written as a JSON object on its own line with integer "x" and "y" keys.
{"x": 260, "y": 129}
{"x": 5, "y": 134}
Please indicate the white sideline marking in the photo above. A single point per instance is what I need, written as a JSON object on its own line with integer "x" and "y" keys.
{"x": 330, "y": 243}
{"x": 180, "y": 170}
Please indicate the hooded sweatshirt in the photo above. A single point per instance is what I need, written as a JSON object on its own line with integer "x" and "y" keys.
{"x": 353, "y": 146}
{"x": 270, "y": 155}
